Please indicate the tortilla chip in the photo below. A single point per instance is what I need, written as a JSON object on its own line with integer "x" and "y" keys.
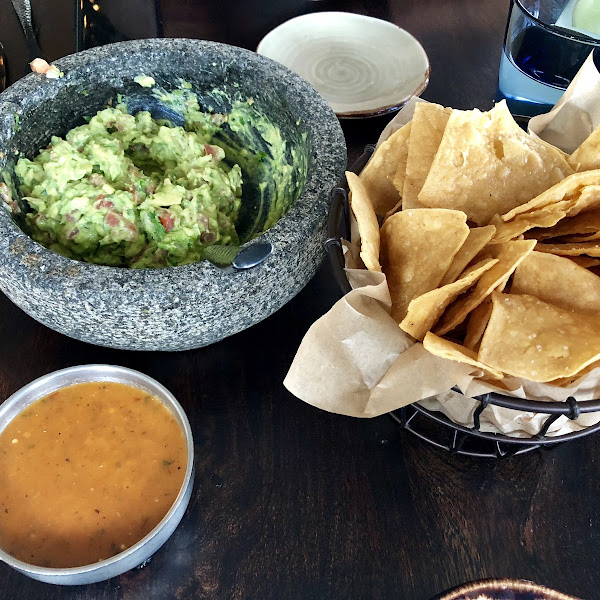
{"x": 559, "y": 281}
{"x": 486, "y": 165}
{"x": 587, "y": 156}
{"x": 543, "y": 218}
{"x": 585, "y": 261}
{"x": 571, "y": 249}
{"x": 509, "y": 255}
{"x": 478, "y": 320}
{"x": 398, "y": 179}
{"x": 378, "y": 175}
{"x": 581, "y": 238}
{"x": 452, "y": 351}
{"x": 528, "y": 338}
{"x": 394, "y": 209}
{"x": 477, "y": 240}
{"x": 417, "y": 247}
{"x": 566, "y": 199}
{"x": 567, "y": 381}
{"x": 569, "y": 187}
{"x": 424, "y": 311}
{"x": 428, "y": 124}
{"x": 589, "y": 199}
{"x": 585, "y": 224}
{"x": 368, "y": 226}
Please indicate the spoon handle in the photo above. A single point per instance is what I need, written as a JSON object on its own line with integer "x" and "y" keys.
{"x": 23, "y": 10}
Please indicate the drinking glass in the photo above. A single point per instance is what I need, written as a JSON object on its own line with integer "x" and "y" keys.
{"x": 545, "y": 44}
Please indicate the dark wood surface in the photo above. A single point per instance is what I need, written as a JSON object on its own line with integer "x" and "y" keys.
{"x": 294, "y": 503}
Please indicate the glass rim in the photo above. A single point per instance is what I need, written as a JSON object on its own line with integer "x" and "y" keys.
{"x": 562, "y": 32}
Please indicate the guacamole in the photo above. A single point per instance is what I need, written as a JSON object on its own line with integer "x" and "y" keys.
{"x": 132, "y": 191}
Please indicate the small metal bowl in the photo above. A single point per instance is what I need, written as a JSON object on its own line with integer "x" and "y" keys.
{"x": 148, "y": 545}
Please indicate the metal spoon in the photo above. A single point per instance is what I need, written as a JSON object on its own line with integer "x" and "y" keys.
{"x": 247, "y": 258}
{"x": 253, "y": 255}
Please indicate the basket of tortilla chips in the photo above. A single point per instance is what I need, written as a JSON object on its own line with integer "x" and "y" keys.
{"x": 481, "y": 243}
{"x": 492, "y": 245}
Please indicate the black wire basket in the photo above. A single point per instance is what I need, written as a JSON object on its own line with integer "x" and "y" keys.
{"x": 435, "y": 427}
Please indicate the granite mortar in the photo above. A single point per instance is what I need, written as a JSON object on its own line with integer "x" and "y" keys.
{"x": 175, "y": 308}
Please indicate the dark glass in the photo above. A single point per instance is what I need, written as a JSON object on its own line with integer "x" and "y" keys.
{"x": 546, "y": 57}
{"x": 540, "y": 58}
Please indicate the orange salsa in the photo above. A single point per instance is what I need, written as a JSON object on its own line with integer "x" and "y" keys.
{"x": 87, "y": 472}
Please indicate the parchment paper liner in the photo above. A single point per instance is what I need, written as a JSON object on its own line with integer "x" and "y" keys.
{"x": 356, "y": 361}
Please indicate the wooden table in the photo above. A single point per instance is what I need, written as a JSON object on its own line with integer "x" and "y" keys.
{"x": 294, "y": 503}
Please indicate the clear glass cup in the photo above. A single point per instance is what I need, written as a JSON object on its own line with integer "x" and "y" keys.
{"x": 545, "y": 44}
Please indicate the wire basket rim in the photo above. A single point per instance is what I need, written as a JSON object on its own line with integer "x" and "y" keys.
{"x": 503, "y": 437}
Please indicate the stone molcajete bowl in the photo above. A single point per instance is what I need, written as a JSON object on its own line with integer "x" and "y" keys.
{"x": 173, "y": 308}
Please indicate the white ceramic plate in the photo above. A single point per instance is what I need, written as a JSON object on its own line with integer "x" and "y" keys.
{"x": 362, "y": 66}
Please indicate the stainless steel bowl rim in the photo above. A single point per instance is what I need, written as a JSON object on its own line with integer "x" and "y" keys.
{"x": 100, "y": 372}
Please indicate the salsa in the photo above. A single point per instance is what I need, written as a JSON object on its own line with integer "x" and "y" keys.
{"x": 87, "y": 472}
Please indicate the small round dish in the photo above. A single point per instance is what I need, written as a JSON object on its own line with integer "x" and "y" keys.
{"x": 503, "y": 589}
{"x": 149, "y": 544}
{"x": 362, "y": 66}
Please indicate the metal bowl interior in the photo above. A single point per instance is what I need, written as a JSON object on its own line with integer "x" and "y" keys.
{"x": 147, "y": 546}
